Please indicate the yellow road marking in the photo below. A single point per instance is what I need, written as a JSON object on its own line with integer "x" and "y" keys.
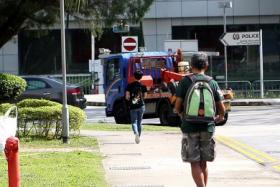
{"x": 277, "y": 167}
{"x": 249, "y": 151}
{"x": 240, "y": 149}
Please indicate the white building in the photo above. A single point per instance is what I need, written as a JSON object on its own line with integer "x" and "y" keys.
{"x": 203, "y": 20}
{"x": 9, "y": 57}
{"x": 165, "y": 15}
{"x": 166, "y": 20}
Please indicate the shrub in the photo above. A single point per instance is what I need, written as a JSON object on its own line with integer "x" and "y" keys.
{"x": 4, "y": 107}
{"x": 36, "y": 103}
{"x": 77, "y": 117}
{"x": 43, "y": 118}
{"x": 11, "y": 86}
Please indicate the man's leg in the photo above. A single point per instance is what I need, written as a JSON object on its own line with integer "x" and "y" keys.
{"x": 191, "y": 153}
{"x": 203, "y": 165}
{"x": 207, "y": 144}
{"x": 197, "y": 174}
{"x": 133, "y": 116}
{"x": 140, "y": 114}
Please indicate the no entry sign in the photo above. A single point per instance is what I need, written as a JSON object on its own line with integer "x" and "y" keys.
{"x": 129, "y": 44}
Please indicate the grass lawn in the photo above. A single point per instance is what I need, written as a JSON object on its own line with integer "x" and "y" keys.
{"x": 75, "y": 141}
{"x": 64, "y": 169}
{"x": 57, "y": 169}
{"x": 125, "y": 127}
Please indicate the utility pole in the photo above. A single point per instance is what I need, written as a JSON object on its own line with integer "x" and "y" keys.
{"x": 225, "y": 47}
{"x": 224, "y": 5}
{"x": 65, "y": 111}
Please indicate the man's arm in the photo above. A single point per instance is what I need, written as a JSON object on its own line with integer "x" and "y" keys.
{"x": 144, "y": 91}
{"x": 145, "y": 95}
{"x": 221, "y": 110}
{"x": 178, "y": 105}
{"x": 127, "y": 95}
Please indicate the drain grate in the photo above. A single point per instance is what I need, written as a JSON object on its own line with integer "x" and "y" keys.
{"x": 130, "y": 168}
{"x": 117, "y": 143}
{"x": 124, "y": 154}
{"x": 175, "y": 133}
{"x": 146, "y": 185}
{"x": 272, "y": 152}
{"x": 104, "y": 135}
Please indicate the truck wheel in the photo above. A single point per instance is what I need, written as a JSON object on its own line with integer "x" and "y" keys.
{"x": 164, "y": 113}
{"x": 223, "y": 122}
{"x": 121, "y": 113}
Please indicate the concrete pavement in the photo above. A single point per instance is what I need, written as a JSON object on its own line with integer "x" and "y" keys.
{"x": 156, "y": 162}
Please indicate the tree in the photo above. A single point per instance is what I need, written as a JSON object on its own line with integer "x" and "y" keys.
{"x": 18, "y": 15}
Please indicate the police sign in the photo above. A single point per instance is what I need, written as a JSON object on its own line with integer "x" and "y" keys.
{"x": 246, "y": 38}
{"x": 240, "y": 38}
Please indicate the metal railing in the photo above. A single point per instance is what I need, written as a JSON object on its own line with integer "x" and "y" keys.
{"x": 84, "y": 80}
{"x": 241, "y": 89}
{"x": 271, "y": 88}
{"x": 247, "y": 89}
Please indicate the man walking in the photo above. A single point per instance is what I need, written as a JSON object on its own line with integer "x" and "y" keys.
{"x": 198, "y": 145}
{"x": 135, "y": 94}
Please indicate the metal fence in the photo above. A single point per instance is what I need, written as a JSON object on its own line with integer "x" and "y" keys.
{"x": 241, "y": 89}
{"x": 84, "y": 80}
{"x": 247, "y": 89}
{"x": 271, "y": 88}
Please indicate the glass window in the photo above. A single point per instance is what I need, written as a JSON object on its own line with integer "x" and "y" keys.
{"x": 36, "y": 85}
{"x": 243, "y": 61}
{"x": 112, "y": 69}
{"x": 40, "y": 51}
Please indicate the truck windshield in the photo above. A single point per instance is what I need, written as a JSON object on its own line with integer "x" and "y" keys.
{"x": 112, "y": 70}
{"x": 149, "y": 65}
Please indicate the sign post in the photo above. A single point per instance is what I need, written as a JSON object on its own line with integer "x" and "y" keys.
{"x": 129, "y": 44}
{"x": 261, "y": 64}
{"x": 246, "y": 38}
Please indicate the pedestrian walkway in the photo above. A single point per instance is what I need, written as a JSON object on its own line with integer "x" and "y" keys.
{"x": 99, "y": 100}
{"x": 156, "y": 162}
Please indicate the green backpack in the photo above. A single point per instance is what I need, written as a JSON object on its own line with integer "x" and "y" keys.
{"x": 199, "y": 103}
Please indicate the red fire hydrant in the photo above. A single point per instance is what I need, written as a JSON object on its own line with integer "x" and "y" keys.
{"x": 12, "y": 155}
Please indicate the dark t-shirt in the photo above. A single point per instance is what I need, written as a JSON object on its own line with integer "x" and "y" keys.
{"x": 136, "y": 90}
{"x": 181, "y": 91}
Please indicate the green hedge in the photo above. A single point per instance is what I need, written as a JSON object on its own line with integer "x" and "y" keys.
{"x": 43, "y": 118}
{"x": 11, "y": 86}
{"x": 36, "y": 103}
{"x": 4, "y": 107}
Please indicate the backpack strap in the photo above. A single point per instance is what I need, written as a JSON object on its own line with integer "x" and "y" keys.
{"x": 193, "y": 77}
{"x": 208, "y": 78}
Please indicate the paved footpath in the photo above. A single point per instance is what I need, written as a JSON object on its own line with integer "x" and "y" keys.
{"x": 156, "y": 162}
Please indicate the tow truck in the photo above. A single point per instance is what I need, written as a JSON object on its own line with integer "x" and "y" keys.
{"x": 161, "y": 76}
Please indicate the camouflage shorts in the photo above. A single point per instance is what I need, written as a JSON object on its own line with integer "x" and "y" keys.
{"x": 198, "y": 146}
